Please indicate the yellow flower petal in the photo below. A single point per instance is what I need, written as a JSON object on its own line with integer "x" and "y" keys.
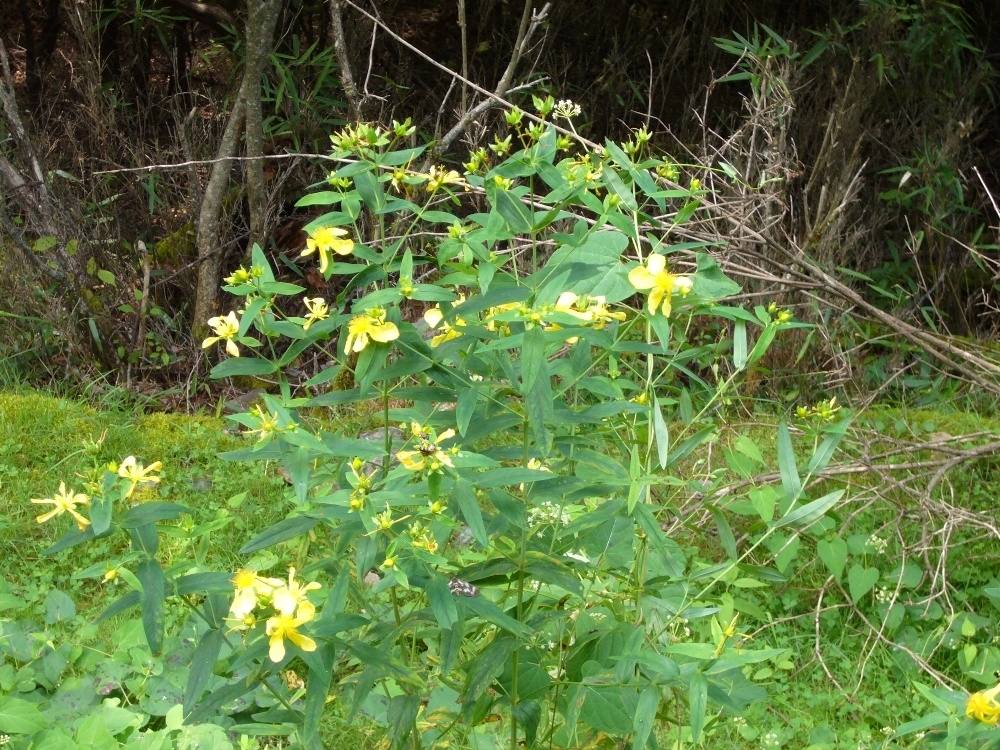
{"x": 384, "y": 333}
{"x": 412, "y": 460}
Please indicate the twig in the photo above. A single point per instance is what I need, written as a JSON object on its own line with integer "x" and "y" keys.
{"x": 199, "y": 162}
{"x": 529, "y": 24}
{"x": 471, "y": 84}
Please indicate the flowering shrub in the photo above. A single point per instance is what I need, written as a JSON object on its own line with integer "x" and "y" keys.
{"x": 499, "y": 552}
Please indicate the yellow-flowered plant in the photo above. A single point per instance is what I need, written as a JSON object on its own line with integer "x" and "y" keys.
{"x": 318, "y": 310}
{"x": 226, "y": 329}
{"x": 251, "y": 590}
{"x": 983, "y": 706}
{"x": 428, "y": 453}
{"x": 412, "y": 518}
{"x": 438, "y": 177}
{"x": 434, "y": 318}
{"x": 288, "y": 600}
{"x": 135, "y": 473}
{"x": 371, "y": 325}
{"x": 291, "y": 597}
{"x": 660, "y": 283}
{"x": 326, "y": 240}
{"x": 64, "y": 501}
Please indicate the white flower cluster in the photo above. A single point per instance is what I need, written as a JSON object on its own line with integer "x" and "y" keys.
{"x": 882, "y": 595}
{"x": 878, "y": 543}
{"x": 548, "y": 513}
{"x": 771, "y": 740}
{"x": 566, "y": 109}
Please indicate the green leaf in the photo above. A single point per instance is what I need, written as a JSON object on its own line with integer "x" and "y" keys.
{"x": 150, "y": 575}
{"x": 123, "y": 604}
{"x": 512, "y": 475}
{"x": 202, "y": 666}
{"x": 764, "y": 500}
{"x": 203, "y": 583}
{"x": 810, "y": 512}
{"x": 490, "y": 612}
{"x": 145, "y": 539}
{"x": 465, "y": 496}
{"x": 486, "y": 667}
{"x": 833, "y": 553}
{"x": 609, "y": 708}
{"x": 280, "y": 532}
{"x": 322, "y": 198}
{"x": 726, "y": 537}
{"x": 515, "y": 213}
{"x": 59, "y": 607}
{"x": 532, "y": 358}
{"x": 739, "y": 344}
{"x": 660, "y": 433}
{"x": 685, "y": 408}
{"x": 786, "y": 463}
{"x": 100, "y": 515}
{"x": 442, "y": 602}
{"x": 687, "y": 446}
{"x": 932, "y": 719}
{"x": 235, "y": 366}
{"x": 465, "y": 408}
{"x": 697, "y": 701}
{"x": 710, "y": 281}
{"x": 645, "y": 716}
{"x": 370, "y": 190}
{"x": 147, "y": 513}
{"x": 825, "y": 451}
{"x": 71, "y": 538}
{"x": 317, "y": 689}
{"x": 861, "y": 580}
{"x": 18, "y": 716}
{"x": 762, "y": 344}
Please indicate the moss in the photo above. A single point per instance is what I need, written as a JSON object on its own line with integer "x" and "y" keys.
{"x": 175, "y": 246}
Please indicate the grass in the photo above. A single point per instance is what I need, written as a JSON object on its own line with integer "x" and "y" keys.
{"x": 42, "y": 442}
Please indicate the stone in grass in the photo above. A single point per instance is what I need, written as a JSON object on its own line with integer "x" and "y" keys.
{"x": 378, "y": 437}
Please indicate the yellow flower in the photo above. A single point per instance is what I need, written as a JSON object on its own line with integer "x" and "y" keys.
{"x": 268, "y": 423}
{"x": 435, "y": 317}
{"x": 426, "y": 542}
{"x": 239, "y": 276}
{"x": 283, "y": 626}
{"x": 291, "y": 598}
{"x": 226, "y": 329}
{"x": 65, "y": 501}
{"x": 428, "y": 453}
{"x": 438, "y": 177}
{"x": 654, "y": 276}
{"x": 599, "y": 311}
{"x": 536, "y": 464}
{"x": 250, "y": 587}
{"x": 325, "y": 240}
{"x": 318, "y": 310}
{"x": 136, "y": 472}
{"x": 983, "y": 706}
{"x": 369, "y": 325}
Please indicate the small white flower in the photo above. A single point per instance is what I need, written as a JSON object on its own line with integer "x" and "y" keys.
{"x": 566, "y": 109}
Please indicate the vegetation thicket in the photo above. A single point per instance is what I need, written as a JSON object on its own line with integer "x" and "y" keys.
{"x": 596, "y": 405}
